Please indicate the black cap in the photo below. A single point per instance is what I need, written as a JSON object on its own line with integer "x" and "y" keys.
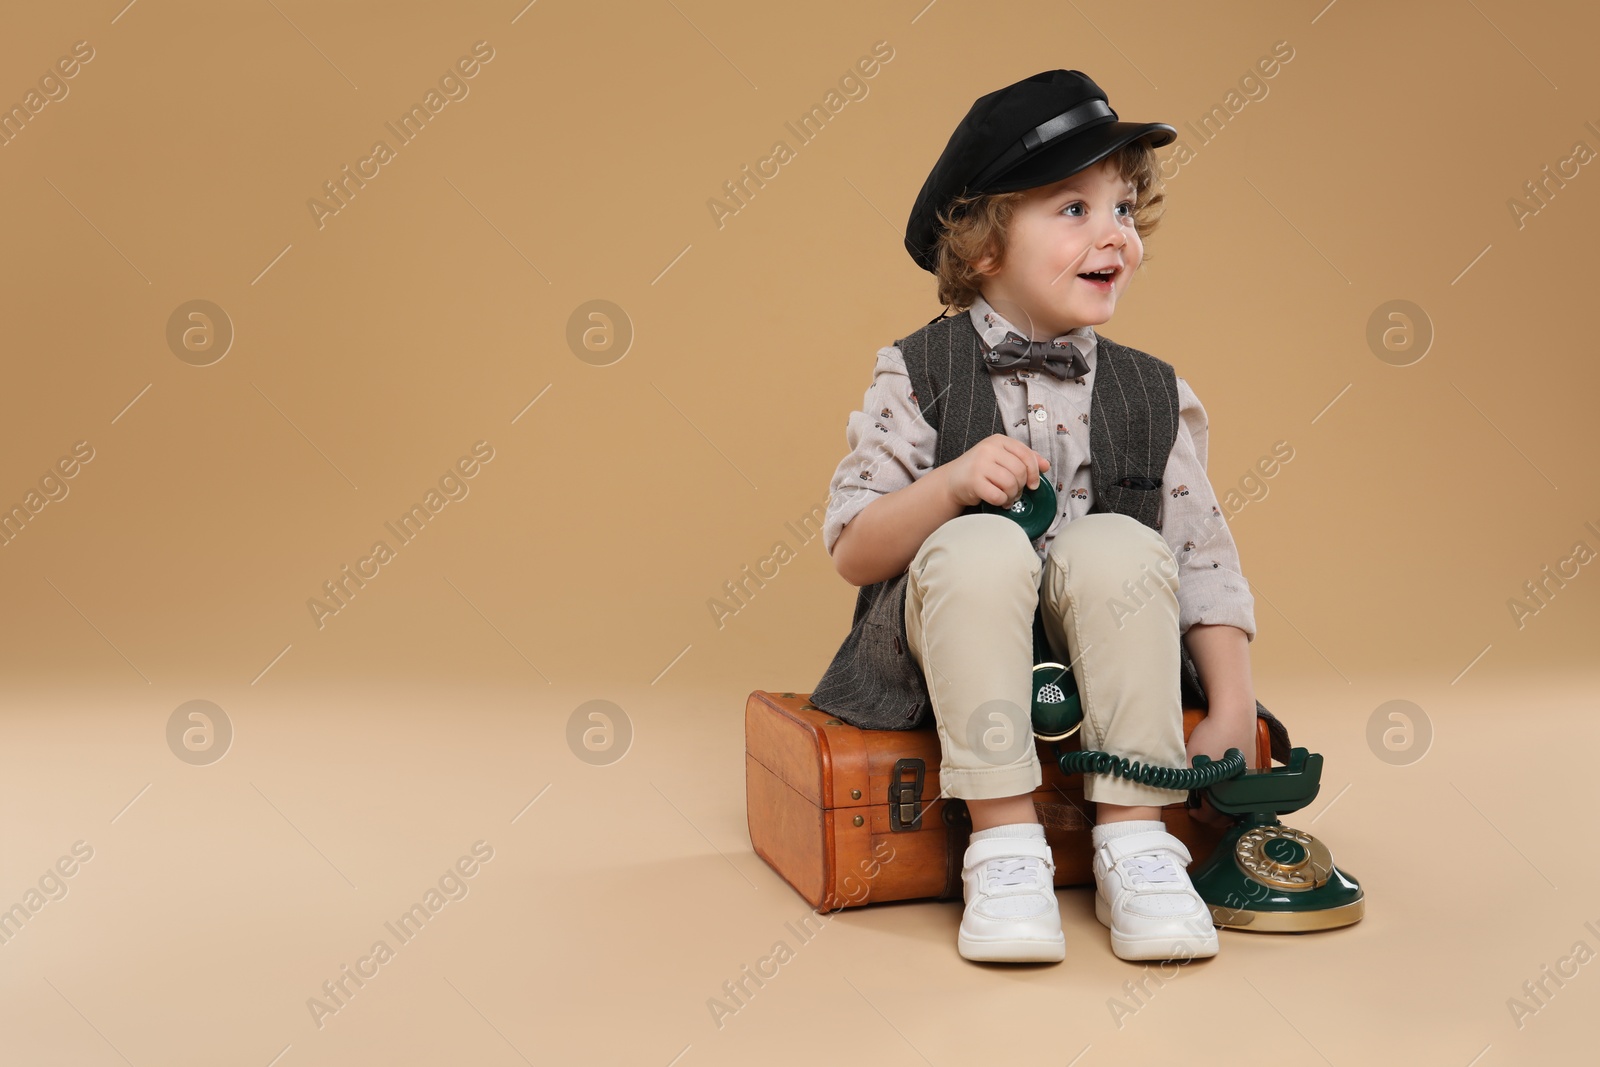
{"x": 1031, "y": 133}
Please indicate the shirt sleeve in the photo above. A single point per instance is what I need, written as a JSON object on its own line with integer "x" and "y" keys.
{"x": 891, "y": 445}
{"x": 1211, "y": 587}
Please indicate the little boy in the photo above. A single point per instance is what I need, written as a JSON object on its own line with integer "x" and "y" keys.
{"x": 1033, "y": 220}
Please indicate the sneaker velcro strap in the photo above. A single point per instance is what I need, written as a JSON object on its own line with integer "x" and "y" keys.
{"x": 1119, "y": 848}
{"x": 980, "y": 852}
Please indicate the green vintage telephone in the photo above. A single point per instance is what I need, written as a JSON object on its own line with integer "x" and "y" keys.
{"x": 1262, "y": 876}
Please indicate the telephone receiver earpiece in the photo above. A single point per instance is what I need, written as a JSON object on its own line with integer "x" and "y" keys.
{"x": 1034, "y": 510}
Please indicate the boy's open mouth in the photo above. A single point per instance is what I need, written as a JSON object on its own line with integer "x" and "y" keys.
{"x": 1105, "y": 276}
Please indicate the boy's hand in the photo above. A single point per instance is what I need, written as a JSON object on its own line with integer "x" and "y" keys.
{"x": 994, "y": 471}
{"x": 1224, "y": 727}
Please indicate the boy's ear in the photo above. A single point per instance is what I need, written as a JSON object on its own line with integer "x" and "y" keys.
{"x": 992, "y": 259}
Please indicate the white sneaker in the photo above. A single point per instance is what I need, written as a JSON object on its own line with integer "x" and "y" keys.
{"x": 1143, "y": 893}
{"x": 1011, "y": 913}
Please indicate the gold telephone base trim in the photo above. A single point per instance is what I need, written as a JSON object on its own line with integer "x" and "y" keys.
{"x": 1288, "y": 922}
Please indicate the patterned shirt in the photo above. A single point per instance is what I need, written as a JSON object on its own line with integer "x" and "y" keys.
{"x": 891, "y": 445}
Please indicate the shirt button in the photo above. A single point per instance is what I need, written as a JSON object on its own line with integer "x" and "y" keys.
{"x": 1039, "y": 416}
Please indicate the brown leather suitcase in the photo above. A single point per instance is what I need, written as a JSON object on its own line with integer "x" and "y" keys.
{"x": 851, "y": 817}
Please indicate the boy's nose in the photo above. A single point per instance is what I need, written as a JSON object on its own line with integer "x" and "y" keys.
{"x": 1113, "y": 240}
{"x": 1112, "y": 235}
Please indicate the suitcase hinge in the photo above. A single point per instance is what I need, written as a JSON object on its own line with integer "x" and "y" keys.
{"x": 905, "y": 798}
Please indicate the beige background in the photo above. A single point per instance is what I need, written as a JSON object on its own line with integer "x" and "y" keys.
{"x": 1376, "y": 165}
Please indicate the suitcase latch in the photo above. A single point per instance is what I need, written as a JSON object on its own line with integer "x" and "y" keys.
{"x": 905, "y": 798}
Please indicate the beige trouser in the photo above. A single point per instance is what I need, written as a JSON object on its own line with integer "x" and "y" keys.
{"x": 1110, "y": 590}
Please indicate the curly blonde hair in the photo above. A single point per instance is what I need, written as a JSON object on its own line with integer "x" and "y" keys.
{"x": 972, "y": 227}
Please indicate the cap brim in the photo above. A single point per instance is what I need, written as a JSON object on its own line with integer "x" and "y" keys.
{"x": 1074, "y": 153}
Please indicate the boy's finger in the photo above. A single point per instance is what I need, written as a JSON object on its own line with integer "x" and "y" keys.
{"x": 1030, "y": 461}
{"x": 991, "y": 488}
{"x": 1018, "y": 467}
{"x": 1032, "y": 479}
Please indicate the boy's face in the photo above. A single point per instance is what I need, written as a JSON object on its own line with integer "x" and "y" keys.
{"x": 1081, "y": 223}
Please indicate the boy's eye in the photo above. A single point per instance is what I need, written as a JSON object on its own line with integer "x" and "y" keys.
{"x": 1076, "y": 204}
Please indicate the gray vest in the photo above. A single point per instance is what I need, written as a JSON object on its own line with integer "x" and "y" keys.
{"x": 873, "y": 681}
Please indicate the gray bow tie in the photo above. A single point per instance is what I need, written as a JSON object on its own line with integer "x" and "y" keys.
{"x": 1059, "y": 357}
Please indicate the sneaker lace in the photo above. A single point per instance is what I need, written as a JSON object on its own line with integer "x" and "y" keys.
{"x": 1154, "y": 868}
{"x": 1011, "y": 871}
